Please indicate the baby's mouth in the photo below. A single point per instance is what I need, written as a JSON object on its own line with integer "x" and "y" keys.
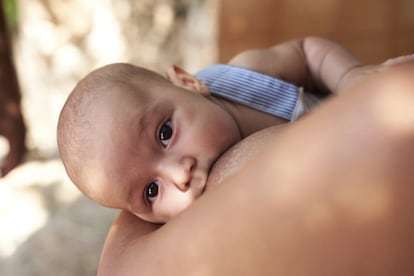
{"x": 198, "y": 182}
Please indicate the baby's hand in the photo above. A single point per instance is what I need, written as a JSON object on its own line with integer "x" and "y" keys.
{"x": 358, "y": 73}
{"x": 399, "y": 60}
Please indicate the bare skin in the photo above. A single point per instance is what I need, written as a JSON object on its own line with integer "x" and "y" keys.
{"x": 330, "y": 195}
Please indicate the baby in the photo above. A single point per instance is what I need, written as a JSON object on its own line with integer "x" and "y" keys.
{"x": 132, "y": 139}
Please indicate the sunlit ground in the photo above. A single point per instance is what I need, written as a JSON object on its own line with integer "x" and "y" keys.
{"x": 46, "y": 226}
{"x": 23, "y": 206}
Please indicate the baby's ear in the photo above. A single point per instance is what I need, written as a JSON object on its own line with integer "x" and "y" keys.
{"x": 179, "y": 77}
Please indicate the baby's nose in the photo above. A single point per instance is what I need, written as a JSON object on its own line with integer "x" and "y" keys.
{"x": 180, "y": 172}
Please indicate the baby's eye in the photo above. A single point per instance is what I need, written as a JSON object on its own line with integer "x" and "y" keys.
{"x": 165, "y": 133}
{"x": 151, "y": 191}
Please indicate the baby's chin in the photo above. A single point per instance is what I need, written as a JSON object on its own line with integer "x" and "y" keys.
{"x": 235, "y": 158}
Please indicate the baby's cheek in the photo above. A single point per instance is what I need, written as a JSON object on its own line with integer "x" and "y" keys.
{"x": 173, "y": 203}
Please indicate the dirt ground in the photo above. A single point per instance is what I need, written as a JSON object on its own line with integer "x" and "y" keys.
{"x": 46, "y": 226}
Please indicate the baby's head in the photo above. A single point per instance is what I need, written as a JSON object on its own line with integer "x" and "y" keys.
{"x": 132, "y": 139}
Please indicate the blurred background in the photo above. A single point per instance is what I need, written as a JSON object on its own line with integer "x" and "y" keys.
{"x": 46, "y": 226}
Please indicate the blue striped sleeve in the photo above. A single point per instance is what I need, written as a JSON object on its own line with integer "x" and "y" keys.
{"x": 250, "y": 88}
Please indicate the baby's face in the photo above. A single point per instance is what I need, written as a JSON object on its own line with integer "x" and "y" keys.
{"x": 154, "y": 149}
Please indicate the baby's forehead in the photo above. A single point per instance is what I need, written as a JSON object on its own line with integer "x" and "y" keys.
{"x": 125, "y": 96}
{"x": 122, "y": 91}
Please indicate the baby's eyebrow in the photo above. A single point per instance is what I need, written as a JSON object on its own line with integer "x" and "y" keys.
{"x": 144, "y": 121}
{"x": 148, "y": 113}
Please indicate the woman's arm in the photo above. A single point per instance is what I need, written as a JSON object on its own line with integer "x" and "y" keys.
{"x": 330, "y": 195}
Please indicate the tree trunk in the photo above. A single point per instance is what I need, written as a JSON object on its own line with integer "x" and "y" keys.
{"x": 11, "y": 121}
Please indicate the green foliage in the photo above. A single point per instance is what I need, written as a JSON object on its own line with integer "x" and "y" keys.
{"x": 10, "y": 10}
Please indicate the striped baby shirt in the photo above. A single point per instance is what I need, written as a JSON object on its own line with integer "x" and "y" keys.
{"x": 256, "y": 90}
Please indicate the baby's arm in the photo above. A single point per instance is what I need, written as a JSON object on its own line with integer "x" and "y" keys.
{"x": 314, "y": 63}
{"x": 329, "y": 63}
